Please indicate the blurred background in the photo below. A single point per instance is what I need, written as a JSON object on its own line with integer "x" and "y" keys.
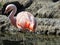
{"x": 47, "y": 14}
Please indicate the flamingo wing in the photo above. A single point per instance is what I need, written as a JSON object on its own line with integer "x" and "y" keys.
{"x": 25, "y": 20}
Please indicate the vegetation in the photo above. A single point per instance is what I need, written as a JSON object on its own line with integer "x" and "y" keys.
{"x": 0, "y": 5}
{"x": 2, "y": 2}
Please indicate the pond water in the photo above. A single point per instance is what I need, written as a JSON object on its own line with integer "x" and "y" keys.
{"x": 34, "y": 39}
{"x": 44, "y": 40}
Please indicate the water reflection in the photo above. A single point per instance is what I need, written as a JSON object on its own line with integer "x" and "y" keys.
{"x": 35, "y": 39}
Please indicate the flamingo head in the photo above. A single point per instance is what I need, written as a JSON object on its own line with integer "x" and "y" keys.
{"x": 9, "y": 8}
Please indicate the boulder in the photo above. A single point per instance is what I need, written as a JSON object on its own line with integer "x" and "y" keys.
{"x": 52, "y": 11}
{"x": 4, "y": 23}
{"x": 39, "y": 8}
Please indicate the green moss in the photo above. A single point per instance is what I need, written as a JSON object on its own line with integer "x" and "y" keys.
{"x": 0, "y": 4}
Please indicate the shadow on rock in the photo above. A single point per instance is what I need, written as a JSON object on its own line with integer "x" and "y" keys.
{"x": 18, "y": 5}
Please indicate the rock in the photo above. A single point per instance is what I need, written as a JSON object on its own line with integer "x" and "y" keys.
{"x": 4, "y": 23}
{"x": 26, "y": 3}
{"x": 52, "y": 11}
{"x": 39, "y": 8}
{"x": 38, "y": 4}
{"x": 23, "y": 2}
{"x": 49, "y": 25}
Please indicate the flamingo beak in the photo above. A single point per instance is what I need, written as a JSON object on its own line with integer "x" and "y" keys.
{"x": 5, "y": 12}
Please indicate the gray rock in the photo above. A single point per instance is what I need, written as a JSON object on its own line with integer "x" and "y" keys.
{"x": 38, "y": 4}
{"x": 41, "y": 8}
{"x": 25, "y": 3}
{"x": 49, "y": 25}
{"x": 51, "y": 11}
{"x": 4, "y": 23}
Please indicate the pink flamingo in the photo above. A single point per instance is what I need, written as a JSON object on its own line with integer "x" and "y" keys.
{"x": 24, "y": 20}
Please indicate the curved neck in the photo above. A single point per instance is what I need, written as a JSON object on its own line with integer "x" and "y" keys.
{"x": 11, "y": 15}
{"x": 13, "y": 12}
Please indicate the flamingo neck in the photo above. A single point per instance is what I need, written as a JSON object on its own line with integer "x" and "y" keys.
{"x": 11, "y": 15}
{"x": 13, "y": 12}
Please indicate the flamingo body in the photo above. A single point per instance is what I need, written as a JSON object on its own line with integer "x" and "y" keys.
{"x": 24, "y": 19}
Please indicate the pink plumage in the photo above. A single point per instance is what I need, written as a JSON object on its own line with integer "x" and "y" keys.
{"x": 23, "y": 20}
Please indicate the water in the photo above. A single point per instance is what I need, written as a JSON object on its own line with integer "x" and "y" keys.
{"x": 33, "y": 39}
{"x": 37, "y": 39}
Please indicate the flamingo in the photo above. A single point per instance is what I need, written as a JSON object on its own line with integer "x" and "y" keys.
{"x": 24, "y": 20}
